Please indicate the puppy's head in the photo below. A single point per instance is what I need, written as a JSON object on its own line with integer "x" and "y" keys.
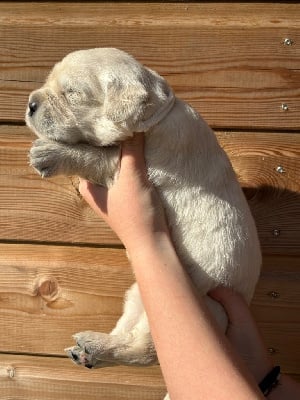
{"x": 98, "y": 96}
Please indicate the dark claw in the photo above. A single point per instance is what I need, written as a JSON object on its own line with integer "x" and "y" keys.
{"x": 45, "y": 173}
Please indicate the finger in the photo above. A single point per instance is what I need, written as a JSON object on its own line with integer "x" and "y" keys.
{"x": 234, "y": 304}
{"x": 84, "y": 187}
{"x": 94, "y": 195}
{"x": 133, "y": 153}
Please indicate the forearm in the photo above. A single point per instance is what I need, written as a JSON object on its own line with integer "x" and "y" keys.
{"x": 195, "y": 359}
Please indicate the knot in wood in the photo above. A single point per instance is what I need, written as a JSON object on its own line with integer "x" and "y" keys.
{"x": 7, "y": 372}
{"x": 48, "y": 288}
{"x": 11, "y": 372}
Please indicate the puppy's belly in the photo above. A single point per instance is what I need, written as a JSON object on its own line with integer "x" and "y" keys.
{"x": 215, "y": 242}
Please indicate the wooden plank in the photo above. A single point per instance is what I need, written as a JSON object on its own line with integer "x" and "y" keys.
{"x": 283, "y": 342}
{"x": 33, "y": 209}
{"x": 295, "y": 377}
{"x": 276, "y": 309}
{"x": 206, "y": 14}
{"x": 233, "y": 83}
{"x": 276, "y": 297}
{"x": 47, "y": 293}
{"x": 267, "y": 166}
{"x": 28, "y": 378}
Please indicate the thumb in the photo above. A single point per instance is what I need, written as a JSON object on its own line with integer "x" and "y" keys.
{"x": 133, "y": 153}
{"x": 95, "y": 196}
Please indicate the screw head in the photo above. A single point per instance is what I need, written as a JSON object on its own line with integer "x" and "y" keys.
{"x": 273, "y": 294}
{"x": 272, "y": 350}
{"x": 280, "y": 169}
{"x": 276, "y": 232}
{"x": 288, "y": 42}
{"x": 284, "y": 107}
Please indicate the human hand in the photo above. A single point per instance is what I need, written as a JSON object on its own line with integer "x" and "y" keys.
{"x": 131, "y": 207}
{"x": 243, "y": 333}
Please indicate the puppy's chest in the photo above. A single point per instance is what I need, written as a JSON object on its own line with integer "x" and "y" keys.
{"x": 172, "y": 171}
{"x": 163, "y": 180}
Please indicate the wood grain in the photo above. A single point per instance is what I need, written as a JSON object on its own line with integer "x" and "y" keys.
{"x": 33, "y": 209}
{"x": 47, "y": 293}
{"x": 61, "y": 268}
{"x": 231, "y": 66}
{"x": 41, "y": 210}
{"x": 142, "y": 13}
{"x": 267, "y": 166}
{"x": 28, "y": 378}
{"x": 277, "y": 293}
{"x": 283, "y": 342}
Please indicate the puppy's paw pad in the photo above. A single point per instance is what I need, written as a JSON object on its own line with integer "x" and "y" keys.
{"x": 90, "y": 346}
{"x": 91, "y": 341}
{"x": 78, "y": 355}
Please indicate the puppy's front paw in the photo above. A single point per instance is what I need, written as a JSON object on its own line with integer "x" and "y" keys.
{"x": 47, "y": 158}
{"x": 91, "y": 347}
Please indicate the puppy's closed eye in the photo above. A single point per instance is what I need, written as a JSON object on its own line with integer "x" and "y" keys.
{"x": 72, "y": 96}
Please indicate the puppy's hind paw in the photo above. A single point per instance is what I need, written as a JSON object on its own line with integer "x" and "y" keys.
{"x": 90, "y": 346}
{"x": 77, "y": 355}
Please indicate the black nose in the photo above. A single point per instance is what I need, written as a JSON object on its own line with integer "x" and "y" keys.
{"x": 32, "y": 108}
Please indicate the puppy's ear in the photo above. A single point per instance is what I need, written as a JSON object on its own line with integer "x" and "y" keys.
{"x": 125, "y": 102}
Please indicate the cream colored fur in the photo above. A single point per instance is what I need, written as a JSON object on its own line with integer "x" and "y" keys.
{"x": 91, "y": 101}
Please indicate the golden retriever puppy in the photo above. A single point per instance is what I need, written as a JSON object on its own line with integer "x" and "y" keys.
{"x": 93, "y": 100}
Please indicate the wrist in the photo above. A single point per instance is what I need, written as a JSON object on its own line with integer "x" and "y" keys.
{"x": 263, "y": 369}
{"x": 270, "y": 381}
{"x": 159, "y": 243}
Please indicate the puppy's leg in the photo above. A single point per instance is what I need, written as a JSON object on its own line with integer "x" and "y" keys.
{"x": 96, "y": 350}
{"x": 96, "y": 164}
{"x": 132, "y": 311}
{"x": 129, "y": 343}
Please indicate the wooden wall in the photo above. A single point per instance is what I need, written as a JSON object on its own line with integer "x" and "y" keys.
{"x": 61, "y": 269}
